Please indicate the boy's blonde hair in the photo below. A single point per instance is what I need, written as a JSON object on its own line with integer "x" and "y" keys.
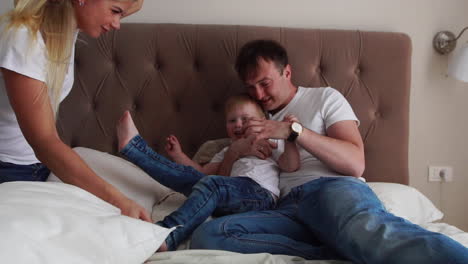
{"x": 55, "y": 20}
{"x": 242, "y": 99}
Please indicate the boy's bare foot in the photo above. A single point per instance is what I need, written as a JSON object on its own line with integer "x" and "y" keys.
{"x": 163, "y": 247}
{"x": 126, "y": 129}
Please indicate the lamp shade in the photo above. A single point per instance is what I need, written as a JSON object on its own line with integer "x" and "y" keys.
{"x": 458, "y": 65}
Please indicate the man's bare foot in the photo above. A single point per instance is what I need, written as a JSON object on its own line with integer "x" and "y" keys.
{"x": 163, "y": 247}
{"x": 126, "y": 130}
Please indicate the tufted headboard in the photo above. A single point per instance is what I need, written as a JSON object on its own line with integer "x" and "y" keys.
{"x": 174, "y": 78}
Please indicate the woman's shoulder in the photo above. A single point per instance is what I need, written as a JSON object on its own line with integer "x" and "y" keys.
{"x": 21, "y": 53}
{"x": 17, "y": 34}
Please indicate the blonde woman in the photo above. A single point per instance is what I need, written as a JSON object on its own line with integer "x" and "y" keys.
{"x": 37, "y": 39}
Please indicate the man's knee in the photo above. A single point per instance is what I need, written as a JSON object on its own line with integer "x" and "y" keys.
{"x": 339, "y": 200}
{"x": 346, "y": 189}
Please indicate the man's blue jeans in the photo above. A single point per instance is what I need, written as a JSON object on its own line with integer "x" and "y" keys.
{"x": 13, "y": 172}
{"x": 330, "y": 218}
{"x": 220, "y": 195}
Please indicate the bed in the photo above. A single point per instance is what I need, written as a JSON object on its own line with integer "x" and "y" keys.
{"x": 174, "y": 79}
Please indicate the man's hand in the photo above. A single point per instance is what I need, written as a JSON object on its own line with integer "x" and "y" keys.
{"x": 266, "y": 129}
{"x": 252, "y": 146}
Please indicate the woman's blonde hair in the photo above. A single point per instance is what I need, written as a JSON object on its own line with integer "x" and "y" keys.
{"x": 55, "y": 20}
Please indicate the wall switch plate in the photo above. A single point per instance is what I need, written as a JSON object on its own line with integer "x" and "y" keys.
{"x": 440, "y": 173}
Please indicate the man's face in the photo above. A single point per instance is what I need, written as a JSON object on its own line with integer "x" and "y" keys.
{"x": 268, "y": 86}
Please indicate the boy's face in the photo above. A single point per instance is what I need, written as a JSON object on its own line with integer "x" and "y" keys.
{"x": 237, "y": 116}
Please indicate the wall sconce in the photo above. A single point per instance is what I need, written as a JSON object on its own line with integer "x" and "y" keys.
{"x": 445, "y": 42}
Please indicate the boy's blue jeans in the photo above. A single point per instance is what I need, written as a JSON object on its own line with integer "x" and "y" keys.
{"x": 330, "y": 218}
{"x": 13, "y": 172}
{"x": 206, "y": 195}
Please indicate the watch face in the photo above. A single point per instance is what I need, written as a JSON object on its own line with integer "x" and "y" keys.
{"x": 296, "y": 127}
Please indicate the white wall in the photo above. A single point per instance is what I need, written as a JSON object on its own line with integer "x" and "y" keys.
{"x": 439, "y": 121}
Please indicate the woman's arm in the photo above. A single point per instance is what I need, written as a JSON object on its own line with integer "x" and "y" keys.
{"x": 30, "y": 102}
{"x": 134, "y": 8}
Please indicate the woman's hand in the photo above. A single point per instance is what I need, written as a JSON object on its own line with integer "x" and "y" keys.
{"x": 132, "y": 209}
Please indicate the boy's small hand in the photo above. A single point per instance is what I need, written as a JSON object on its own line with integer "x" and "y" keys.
{"x": 173, "y": 147}
{"x": 290, "y": 118}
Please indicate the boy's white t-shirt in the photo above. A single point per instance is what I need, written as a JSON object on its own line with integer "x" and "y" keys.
{"x": 28, "y": 57}
{"x": 264, "y": 172}
{"x": 317, "y": 109}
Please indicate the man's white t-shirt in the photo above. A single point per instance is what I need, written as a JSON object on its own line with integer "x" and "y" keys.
{"x": 28, "y": 57}
{"x": 264, "y": 172}
{"x": 317, "y": 109}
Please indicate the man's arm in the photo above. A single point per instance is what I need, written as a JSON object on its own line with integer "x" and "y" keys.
{"x": 341, "y": 149}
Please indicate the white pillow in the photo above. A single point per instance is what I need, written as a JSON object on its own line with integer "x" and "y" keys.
{"x": 125, "y": 176}
{"x": 208, "y": 149}
{"x": 45, "y": 222}
{"x": 406, "y": 202}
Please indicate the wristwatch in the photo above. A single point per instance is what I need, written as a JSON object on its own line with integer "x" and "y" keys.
{"x": 296, "y": 130}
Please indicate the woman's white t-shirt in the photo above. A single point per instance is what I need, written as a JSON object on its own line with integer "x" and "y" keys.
{"x": 28, "y": 57}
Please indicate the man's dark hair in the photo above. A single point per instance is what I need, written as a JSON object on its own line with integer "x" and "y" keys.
{"x": 253, "y": 51}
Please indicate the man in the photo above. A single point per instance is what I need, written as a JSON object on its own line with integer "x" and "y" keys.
{"x": 325, "y": 211}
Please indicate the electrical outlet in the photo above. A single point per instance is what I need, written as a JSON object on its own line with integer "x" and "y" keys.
{"x": 440, "y": 173}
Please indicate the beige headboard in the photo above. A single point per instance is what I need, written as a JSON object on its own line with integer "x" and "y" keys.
{"x": 174, "y": 78}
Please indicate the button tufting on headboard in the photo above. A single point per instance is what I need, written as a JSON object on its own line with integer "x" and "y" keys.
{"x": 175, "y": 78}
